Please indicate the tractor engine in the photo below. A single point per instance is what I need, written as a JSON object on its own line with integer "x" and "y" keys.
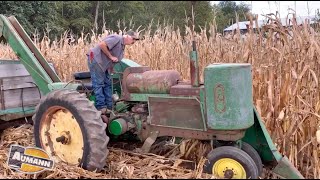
{"x": 140, "y": 81}
{"x": 220, "y": 108}
{"x": 133, "y": 120}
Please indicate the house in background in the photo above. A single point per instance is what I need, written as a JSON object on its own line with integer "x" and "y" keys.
{"x": 243, "y": 25}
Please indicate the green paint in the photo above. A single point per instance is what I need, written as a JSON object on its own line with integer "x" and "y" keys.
{"x": 63, "y": 85}
{"x": 19, "y": 110}
{"x": 286, "y": 170}
{"x": 124, "y": 63}
{"x": 39, "y": 75}
{"x": 121, "y": 106}
{"x": 228, "y": 89}
{"x": 202, "y": 106}
{"x": 115, "y": 128}
{"x": 144, "y": 97}
{"x": 258, "y": 137}
{"x": 9, "y": 61}
{"x": 92, "y": 98}
{"x": 119, "y": 68}
{"x": 138, "y": 125}
{"x": 32, "y": 65}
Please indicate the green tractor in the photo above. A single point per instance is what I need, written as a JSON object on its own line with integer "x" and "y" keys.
{"x": 148, "y": 104}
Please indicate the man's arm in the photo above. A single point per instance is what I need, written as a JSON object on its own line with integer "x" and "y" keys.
{"x": 104, "y": 48}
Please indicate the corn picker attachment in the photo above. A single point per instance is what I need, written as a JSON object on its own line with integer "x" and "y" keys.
{"x": 148, "y": 104}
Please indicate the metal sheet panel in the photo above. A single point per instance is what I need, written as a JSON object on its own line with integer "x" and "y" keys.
{"x": 17, "y": 94}
{"x": 185, "y": 90}
{"x": 13, "y": 70}
{"x": 179, "y": 112}
{"x": 229, "y": 103}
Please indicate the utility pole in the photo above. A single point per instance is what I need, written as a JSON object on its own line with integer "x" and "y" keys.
{"x": 279, "y": 9}
{"x": 308, "y": 8}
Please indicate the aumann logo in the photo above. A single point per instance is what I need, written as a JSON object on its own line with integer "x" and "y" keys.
{"x": 29, "y": 160}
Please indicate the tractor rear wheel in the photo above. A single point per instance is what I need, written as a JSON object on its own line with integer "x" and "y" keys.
{"x": 231, "y": 163}
{"x": 70, "y": 129}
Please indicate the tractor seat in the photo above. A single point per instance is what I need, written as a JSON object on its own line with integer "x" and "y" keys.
{"x": 82, "y": 75}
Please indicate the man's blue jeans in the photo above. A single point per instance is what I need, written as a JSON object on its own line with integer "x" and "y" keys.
{"x": 101, "y": 83}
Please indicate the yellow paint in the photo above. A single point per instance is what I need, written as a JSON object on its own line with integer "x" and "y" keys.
{"x": 35, "y": 153}
{"x": 58, "y": 121}
{"x": 224, "y": 164}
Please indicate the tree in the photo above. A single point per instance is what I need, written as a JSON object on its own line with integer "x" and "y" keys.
{"x": 226, "y": 13}
{"x": 178, "y": 12}
{"x": 32, "y": 15}
{"x": 123, "y": 13}
{"x": 76, "y": 16}
{"x": 57, "y": 17}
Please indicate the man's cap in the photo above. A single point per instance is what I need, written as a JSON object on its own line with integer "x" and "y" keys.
{"x": 133, "y": 34}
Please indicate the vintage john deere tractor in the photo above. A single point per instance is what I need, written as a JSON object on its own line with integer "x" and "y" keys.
{"x": 147, "y": 104}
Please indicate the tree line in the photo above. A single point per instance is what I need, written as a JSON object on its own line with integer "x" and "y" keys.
{"x": 53, "y": 18}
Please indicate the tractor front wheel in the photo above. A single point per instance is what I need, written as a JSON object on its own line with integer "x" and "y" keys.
{"x": 254, "y": 155}
{"x": 231, "y": 163}
{"x": 70, "y": 129}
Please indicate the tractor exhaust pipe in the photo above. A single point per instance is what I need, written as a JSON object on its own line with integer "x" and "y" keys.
{"x": 194, "y": 66}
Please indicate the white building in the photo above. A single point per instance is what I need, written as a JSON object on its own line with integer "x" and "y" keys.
{"x": 284, "y": 21}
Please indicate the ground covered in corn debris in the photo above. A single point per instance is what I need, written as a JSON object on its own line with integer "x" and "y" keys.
{"x": 170, "y": 161}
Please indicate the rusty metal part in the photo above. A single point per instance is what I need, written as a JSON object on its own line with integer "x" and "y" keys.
{"x": 228, "y": 174}
{"x": 152, "y": 82}
{"x": 33, "y": 48}
{"x": 176, "y": 112}
{"x": 61, "y": 139}
{"x": 140, "y": 108}
{"x": 149, "y": 141}
{"x": 125, "y": 95}
{"x": 55, "y": 123}
{"x": 190, "y": 134}
{"x": 105, "y": 119}
{"x": 185, "y": 90}
{"x": 194, "y": 66}
{"x": 219, "y": 99}
{"x": 195, "y": 134}
{"x": 65, "y": 137}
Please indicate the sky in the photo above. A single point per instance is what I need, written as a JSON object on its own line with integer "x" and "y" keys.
{"x": 265, "y": 7}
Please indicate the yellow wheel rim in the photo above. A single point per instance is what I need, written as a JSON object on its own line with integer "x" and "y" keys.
{"x": 61, "y": 135}
{"x": 228, "y": 168}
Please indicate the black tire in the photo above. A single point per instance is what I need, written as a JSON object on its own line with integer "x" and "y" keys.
{"x": 254, "y": 155}
{"x": 93, "y": 130}
{"x": 233, "y": 153}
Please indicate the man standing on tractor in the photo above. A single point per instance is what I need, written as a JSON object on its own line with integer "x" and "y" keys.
{"x": 101, "y": 59}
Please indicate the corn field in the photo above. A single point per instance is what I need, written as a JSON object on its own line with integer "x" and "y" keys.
{"x": 285, "y": 65}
